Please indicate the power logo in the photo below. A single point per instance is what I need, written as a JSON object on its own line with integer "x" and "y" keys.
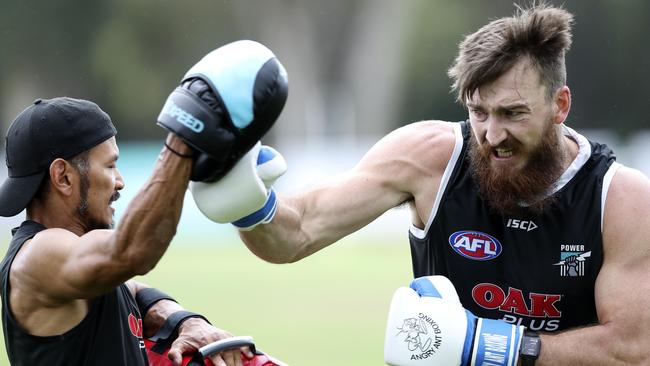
{"x": 516, "y": 305}
{"x": 475, "y": 245}
{"x": 572, "y": 260}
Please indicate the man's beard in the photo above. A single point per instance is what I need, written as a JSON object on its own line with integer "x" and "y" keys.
{"x": 91, "y": 223}
{"x": 510, "y": 191}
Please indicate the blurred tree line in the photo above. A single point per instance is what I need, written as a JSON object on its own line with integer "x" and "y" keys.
{"x": 355, "y": 67}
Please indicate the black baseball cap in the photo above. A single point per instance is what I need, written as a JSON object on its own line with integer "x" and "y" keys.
{"x": 46, "y": 130}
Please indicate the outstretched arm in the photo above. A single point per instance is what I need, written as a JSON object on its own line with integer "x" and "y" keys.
{"x": 622, "y": 335}
{"x": 399, "y": 168}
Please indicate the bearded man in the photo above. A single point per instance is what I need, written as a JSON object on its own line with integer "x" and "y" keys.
{"x": 535, "y": 226}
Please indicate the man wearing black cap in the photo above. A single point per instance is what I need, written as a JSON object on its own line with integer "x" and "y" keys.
{"x": 66, "y": 294}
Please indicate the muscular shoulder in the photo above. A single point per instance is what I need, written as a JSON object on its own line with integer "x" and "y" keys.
{"x": 414, "y": 152}
{"x": 429, "y": 143}
{"x": 434, "y": 136}
{"x": 626, "y": 222}
{"x": 36, "y": 254}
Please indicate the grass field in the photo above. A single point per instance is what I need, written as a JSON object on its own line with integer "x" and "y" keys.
{"x": 329, "y": 309}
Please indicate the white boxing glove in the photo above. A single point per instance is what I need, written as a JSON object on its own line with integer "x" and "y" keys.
{"x": 427, "y": 325}
{"x": 244, "y": 196}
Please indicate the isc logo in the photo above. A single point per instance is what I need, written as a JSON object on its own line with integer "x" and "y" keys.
{"x": 475, "y": 245}
{"x": 521, "y": 224}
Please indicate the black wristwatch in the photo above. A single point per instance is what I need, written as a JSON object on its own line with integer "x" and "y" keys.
{"x": 531, "y": 344}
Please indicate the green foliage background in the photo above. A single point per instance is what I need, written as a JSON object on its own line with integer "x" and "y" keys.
{"x": 362, "y": 66}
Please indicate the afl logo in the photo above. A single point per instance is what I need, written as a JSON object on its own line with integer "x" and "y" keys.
{"x": 475, "y": 245}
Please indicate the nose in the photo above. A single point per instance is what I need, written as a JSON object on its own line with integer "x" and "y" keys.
{"x": 119, "y": 181}
{"x": 495, "y": 132}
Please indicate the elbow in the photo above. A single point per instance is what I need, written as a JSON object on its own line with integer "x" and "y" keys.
{"x": 140, "y": 253}
{"x": 272, "y": 253}
{"x": 136, "y": 264}
{"x": 288, "y": 259}
{"x": 139, "y": 262}
{"x": 275, "y": 258}
{"x": 629, "y": 344}
{"x": 141, "y": 269}
{"x": 638, "y": 353}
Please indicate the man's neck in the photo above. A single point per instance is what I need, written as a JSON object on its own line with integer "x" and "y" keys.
{"x": 52, "y": 217}
{"x": 570, "y": 149}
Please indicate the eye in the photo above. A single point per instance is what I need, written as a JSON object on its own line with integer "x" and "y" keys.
{"x": 478, "y": 114}
{"x": 514, "y": 114}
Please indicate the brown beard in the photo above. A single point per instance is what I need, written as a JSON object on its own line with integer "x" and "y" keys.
{"x": 510, "y": 191}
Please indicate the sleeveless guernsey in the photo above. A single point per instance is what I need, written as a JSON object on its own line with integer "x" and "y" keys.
{"x": 110, "y": 334}
{"x": 533, "y": 270}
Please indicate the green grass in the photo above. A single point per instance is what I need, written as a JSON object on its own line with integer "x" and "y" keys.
{"x": 328, "y": 309}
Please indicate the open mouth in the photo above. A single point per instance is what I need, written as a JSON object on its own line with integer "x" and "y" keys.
{"x": 502, "y": 153}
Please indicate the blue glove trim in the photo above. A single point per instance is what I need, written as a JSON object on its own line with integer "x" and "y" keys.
{"x": 265, "y": 155}
{"x": 425, "y": 288}
{"x": 263, "y": 214}
{"x": 496, "y": 343}
{"x": 269, "y": 217}
{"x": 469, "y": 338}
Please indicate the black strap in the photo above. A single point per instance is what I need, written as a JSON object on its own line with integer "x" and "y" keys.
{"x": 169, "y": 330}
{"x": 186, "y": 156}
{"x": 530, "y": 348}
{"x": 147, "y": 297}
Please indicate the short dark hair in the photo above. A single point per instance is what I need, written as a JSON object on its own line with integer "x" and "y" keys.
{"x": 541, "y": 33}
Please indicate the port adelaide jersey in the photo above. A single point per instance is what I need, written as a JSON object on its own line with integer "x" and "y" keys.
{"x": 533, "y": 270}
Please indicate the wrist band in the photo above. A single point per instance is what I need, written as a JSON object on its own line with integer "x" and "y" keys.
{"x": 168, "y": 332}
{"x": 147, "y": 297}
{"x": 187, "y": 156}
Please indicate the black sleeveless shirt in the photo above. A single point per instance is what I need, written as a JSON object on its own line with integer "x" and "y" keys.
{"x": 533, "y": 270}
{"x": 110, "y": 334}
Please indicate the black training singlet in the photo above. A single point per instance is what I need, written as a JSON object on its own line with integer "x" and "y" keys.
{"x": 533, "y": 270}
{"x": 109, "y": 335}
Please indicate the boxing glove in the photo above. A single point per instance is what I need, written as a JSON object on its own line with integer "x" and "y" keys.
{"x": 244, "y": 196}
{"x": 225, "y": 104}
{"x": 427, "y": 325}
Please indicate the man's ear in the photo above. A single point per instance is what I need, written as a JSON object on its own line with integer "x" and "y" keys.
{"x": 63, "y": 176}
{"x": 561, "y": 104}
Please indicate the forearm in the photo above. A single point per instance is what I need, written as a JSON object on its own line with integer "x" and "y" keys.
{"x": 594, "y": 345}
{"x": 150, "y": 221}
{"x": 155, "y": 306}
{"x": 282, "y": 240}
{"x": 308, "y": 222}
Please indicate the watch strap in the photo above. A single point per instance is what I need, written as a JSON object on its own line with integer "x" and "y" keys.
{"x": 531, "y": 345}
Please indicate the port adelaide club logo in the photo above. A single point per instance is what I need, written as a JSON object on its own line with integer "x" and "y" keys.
{"x": 572, "y": 260}
{"x": 475, "y": 245}
{"x": 422, "y": 335}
